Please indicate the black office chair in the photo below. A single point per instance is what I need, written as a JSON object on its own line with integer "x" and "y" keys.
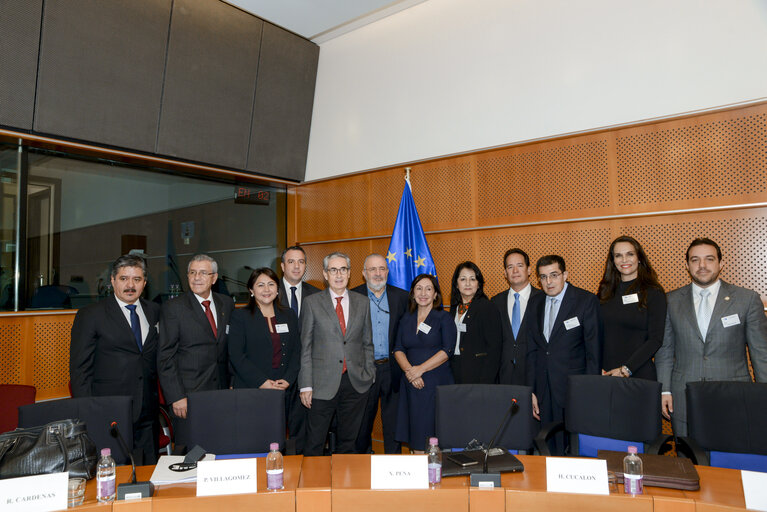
{"x": 475, "y": 411}
{"x": 98, "y": 413}
{"x": 236, "y": 421}
{"x": 727, "y": 424}
{"x": 608, "y": 413}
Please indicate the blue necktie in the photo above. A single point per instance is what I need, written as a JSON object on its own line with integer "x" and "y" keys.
{"x": 515, "y": 320}
{"x": 293, "y": 300}
{"x": 135, "y": 325}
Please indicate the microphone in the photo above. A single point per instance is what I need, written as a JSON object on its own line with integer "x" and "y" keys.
{"x": 133, "y": 489}
{"x": 476, "y": 478}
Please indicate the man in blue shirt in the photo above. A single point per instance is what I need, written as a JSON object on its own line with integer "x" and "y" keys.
{"x": 387, "y": 305}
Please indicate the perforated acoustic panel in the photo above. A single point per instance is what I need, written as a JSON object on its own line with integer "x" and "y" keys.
{"x": 448, "y": 251}
{"x": 11, "y": 352}
{"x": 333, "y": 209}
{"x": 51, "y": 360}
{"x": 357, "y": 251}
{"x": 20, "y": 28}
{"x": 442, "y": 193}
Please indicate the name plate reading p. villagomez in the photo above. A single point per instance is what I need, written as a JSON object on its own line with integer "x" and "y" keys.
{"x": 39, "y": 493}
{"x": 234, "y": 476}
{"x": 399, "y": 472}
{"x": 582, "y": 476}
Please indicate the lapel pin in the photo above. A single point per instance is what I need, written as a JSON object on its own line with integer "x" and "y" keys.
{"x": 727, "y": 298}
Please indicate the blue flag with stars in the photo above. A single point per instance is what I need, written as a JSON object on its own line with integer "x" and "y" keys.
{"x": 409, "y": 253}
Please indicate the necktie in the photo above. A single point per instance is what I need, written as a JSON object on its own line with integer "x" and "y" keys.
{"x": 293, "y": 300}
{"x": 515, "y": 316}
{"x": 135, "y": 325}
{"x": 211, "y": 320}
{"x": 341, "y": 321}
{"x": 551, "y": 316}
{"x": 704, "y": 313}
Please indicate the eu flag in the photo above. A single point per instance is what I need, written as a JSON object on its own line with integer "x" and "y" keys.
{"x": 409, "y": 253}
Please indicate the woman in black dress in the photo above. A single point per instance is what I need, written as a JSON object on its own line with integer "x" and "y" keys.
{"x": 633, "y": 310}
{"x": 425, "y": 340}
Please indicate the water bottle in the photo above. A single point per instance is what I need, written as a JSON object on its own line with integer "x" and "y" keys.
{"x": 274, "y": 468}
{"x": 435, "y": 462}
{"x": 632, "y": 473}
{"x": 105, "y": 477}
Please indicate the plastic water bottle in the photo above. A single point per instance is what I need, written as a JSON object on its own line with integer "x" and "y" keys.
{"x": 632, "y": 473}
{"x": 274, "y": 468}
{"x": 105, "y": 477}
{"x": 435, "y": 462}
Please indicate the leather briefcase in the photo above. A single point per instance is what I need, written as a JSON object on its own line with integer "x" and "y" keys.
{"x": 58, "y": 446}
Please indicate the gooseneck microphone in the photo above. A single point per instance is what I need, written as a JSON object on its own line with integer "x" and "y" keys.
{"x": 133, "y": 489}
{"x": 513, "y": 408}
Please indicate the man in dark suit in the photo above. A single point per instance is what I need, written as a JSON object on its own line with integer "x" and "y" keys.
{"x": 564, "y": 338}
{"x": 709, "y": 324}
{"x": 337, "y": 365}
{"x": 387, "y": 305}
{"x": 512, "y": 304}
{"x": 293, "y": 291}
{"x": 192, "y": 354}
{"x": 114, "y": 352}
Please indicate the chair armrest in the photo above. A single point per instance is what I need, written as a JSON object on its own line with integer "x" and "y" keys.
{"x": 546, "y": 432}
{"x": 660, "y": 445}
{"x": 692, "y": 450}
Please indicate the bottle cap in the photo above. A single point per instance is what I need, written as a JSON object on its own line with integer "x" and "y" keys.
{"x": 433, "y": 441}
{"x": 106, "y": 452}
{"x": 274, "y": 446}
{"x": 633, "y": 449}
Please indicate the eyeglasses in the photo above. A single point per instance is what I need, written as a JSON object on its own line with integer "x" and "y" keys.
{"x": 201, "y": 273}
{"x": 333, "y": 271}
{"x": 550, "y": 277}
{"x": 378, "y": 269}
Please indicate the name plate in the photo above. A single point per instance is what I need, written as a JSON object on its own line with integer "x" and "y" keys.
{"x": 233, "y": 476}
{"x": 754, "y": 489}
{"x": 399, "y": 472}
{"x": 581, "y": 476}
{"x": 39, "y": 493}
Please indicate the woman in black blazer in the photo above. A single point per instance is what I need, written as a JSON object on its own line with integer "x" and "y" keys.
{"x": 264, "y": 343}
{"x": 477, "y": 356}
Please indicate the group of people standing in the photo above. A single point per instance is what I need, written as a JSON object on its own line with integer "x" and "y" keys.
{"x": 337, "y": 352}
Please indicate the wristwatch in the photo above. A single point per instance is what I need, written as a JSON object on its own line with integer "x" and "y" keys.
{"x": 625, "y": 371}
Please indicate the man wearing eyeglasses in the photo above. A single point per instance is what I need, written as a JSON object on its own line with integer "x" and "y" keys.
{"x": 337, "y": 363}
{"x": 192, "y": 354}
{"x": 387, "y": 305}
{"x": 565, "y": 339}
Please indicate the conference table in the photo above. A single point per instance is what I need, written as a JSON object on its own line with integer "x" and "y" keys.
{"x": 341, "y": 483}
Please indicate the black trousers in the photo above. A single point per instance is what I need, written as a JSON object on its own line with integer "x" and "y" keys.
{"x": 146, "y": 436}
{"x": 347, "y": 404}
{"x": 551, "y": 412}
{"x": 381, "y": 388}
{"x": 297, "y": 414}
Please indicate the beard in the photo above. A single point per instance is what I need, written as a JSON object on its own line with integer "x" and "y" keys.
{"x": 377, "y": 287}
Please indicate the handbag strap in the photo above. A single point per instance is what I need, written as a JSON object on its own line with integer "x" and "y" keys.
{"x": 56, "y": 430}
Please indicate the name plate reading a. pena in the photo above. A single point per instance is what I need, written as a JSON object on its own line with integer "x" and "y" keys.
{"x": 39, "y": 493}
{"x": 582, "y": 476}
{"x": 399, "y": 472}
{"x": 234, "y": 476}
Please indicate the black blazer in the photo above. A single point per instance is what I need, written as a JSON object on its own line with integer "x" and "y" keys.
{"x": 572, "y": 351}
{"x": 514, "y": 349}
{"x": 104, "y": 359}
{"x": 250, "y": 348}
{"x": 306, "y": 290}
{"x": 398, "y": 303}
{"x": 481, "y": 344}
{"x": 189, "y": 357}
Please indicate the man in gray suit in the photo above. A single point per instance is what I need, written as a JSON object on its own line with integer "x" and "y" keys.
{"x": 709, "y": 323}
{"x": 337, "y": 364}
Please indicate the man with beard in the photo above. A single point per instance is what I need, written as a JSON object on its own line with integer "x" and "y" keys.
{"x": 708, "y": 325}
{"x": 387, "y": 305}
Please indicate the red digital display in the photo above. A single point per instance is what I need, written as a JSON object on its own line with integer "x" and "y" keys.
{"x": 251, "y": 195}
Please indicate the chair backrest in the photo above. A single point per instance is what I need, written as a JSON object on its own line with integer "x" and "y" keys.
{"x": 98, "y": 413}
{"x": 729, "y": 420}
{"x": 622, "y": 411}
{"x": 475, "y": 411}
{"x": 12, "y": 396}
{"x": 234, "y": 421}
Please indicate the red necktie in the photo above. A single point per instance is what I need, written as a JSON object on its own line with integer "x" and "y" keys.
{"x": 211, "y": 320}
{"x": 340, "y": 313}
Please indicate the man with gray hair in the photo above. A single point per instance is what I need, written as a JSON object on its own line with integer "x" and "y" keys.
{"x": 337, "y": 366}
{"x": 193, "y": 355}
{"x": 113, "y": 351}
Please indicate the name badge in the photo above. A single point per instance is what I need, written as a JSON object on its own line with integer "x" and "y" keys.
{"x": 281, "y": 328}
{"x": 399, "y": 472}
{"x": 233, "y": 476}
{"x": 35, "y": 493}
{"x": 424, "y": 327}
{"x": 630, "y": 299}
{"x": 729, "y": 321}
{"x": 582, "y": 476}
{"x": 461, "y": 327}
{"x": 572, "y": 323}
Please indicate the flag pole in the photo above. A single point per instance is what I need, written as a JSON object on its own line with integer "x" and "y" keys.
{"x": 407, "y": 174}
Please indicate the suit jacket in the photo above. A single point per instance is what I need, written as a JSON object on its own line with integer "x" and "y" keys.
{"x": 324, "y": 347}
{"x": 514, "y": 349}
{"x": 250, "y": 348}
{"x": 104, "y": 359}
{"x": 398, "y": 303}
{"x": 573, "y": 351}
{"x": 684, "y": 357}
{"x": 481, "y": 344}
{"x": 306, "y": 291}
{"x": 189, "y": 357}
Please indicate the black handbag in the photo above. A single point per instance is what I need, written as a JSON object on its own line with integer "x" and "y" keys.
{"x": 58, "y": 446}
